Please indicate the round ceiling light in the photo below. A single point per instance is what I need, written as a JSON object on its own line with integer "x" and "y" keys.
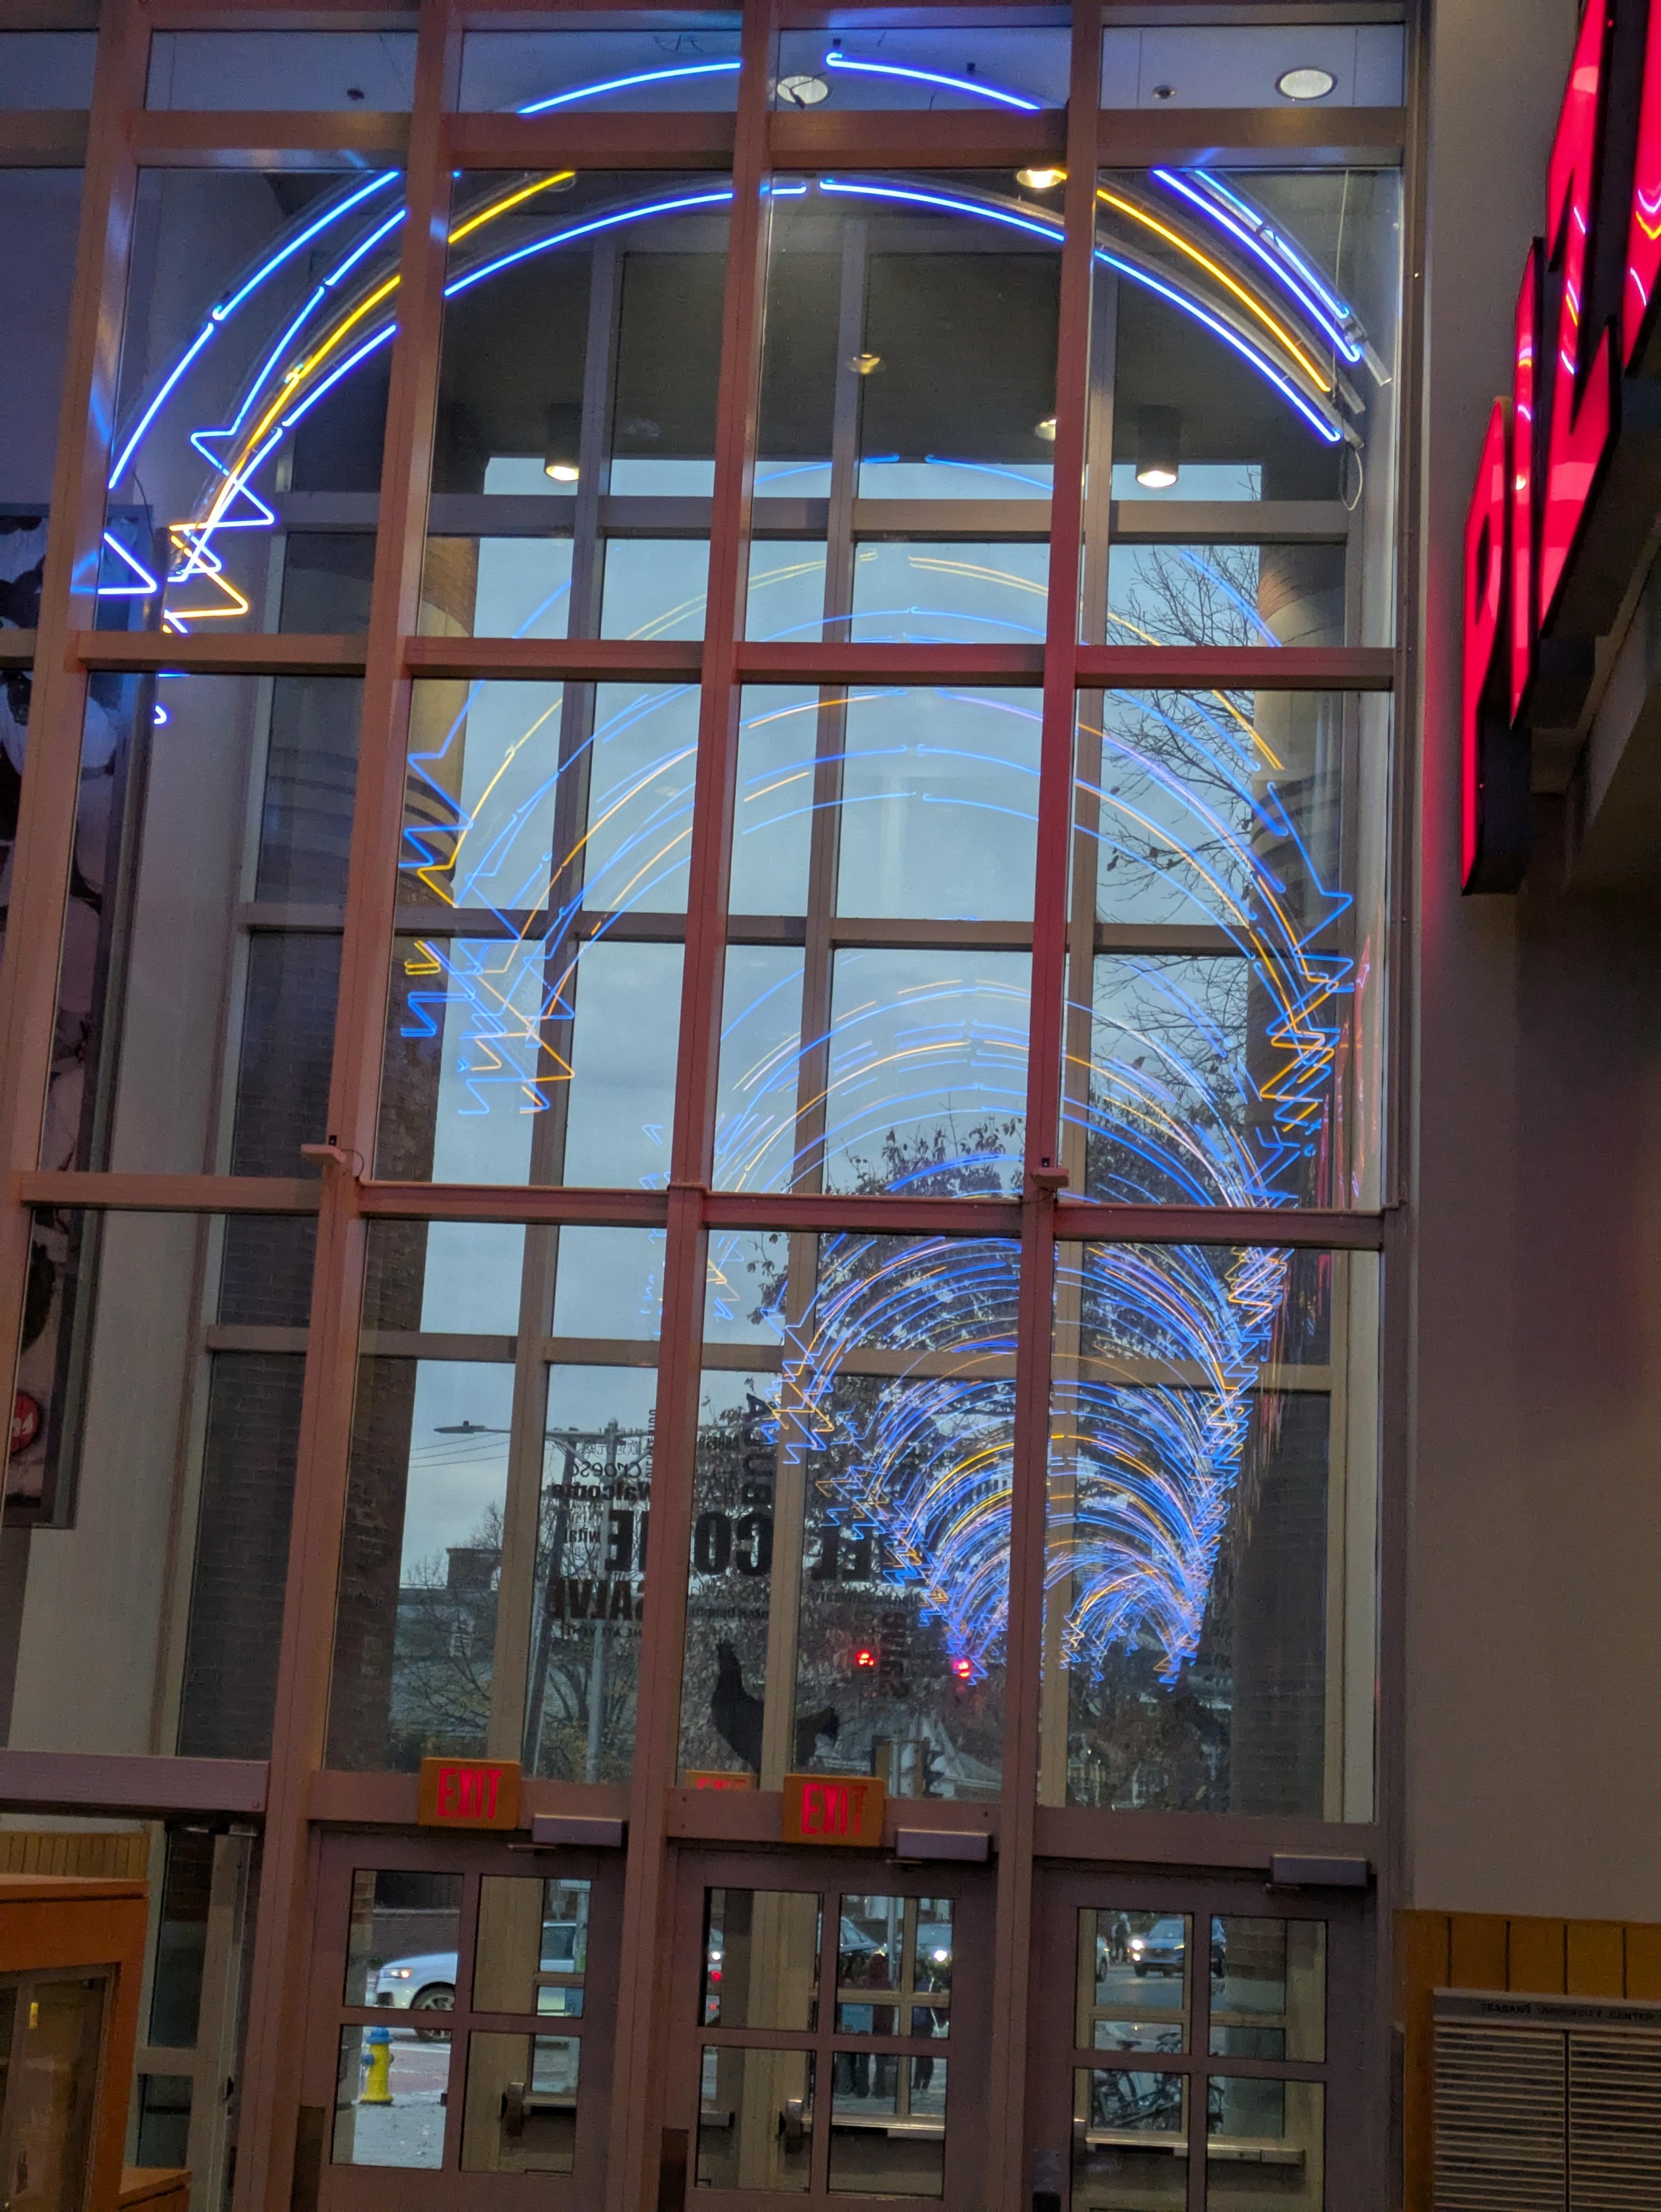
{"x": 866, "y": 364}
{"x": 1046, "y": 430}
{"x": 1305, "y": 83}
{"x": 1040, "y": 178}
{"x": 803, "y": 91}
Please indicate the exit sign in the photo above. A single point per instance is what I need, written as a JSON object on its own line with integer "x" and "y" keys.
{"x": 469, "y": 1793}
{"x": 833, "y": 1808}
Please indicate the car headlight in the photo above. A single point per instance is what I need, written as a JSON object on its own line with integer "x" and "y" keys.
{"x": 399, "y": 1973}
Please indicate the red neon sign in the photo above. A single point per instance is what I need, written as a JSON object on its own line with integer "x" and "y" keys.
{"x": 1578, "y": 450}
{"x": 25, "y": 1421}
{"x": 1582, "y": 359}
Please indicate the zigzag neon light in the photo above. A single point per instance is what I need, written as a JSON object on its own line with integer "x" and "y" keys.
{"x": 197, "y": 532}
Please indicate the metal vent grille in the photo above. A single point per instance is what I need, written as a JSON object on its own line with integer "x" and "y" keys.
{"x": 1501, "y": 2140}
{"x": 1615, "y": 2122}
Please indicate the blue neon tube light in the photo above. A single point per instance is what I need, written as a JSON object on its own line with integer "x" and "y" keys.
{"x": 968, "y": 84}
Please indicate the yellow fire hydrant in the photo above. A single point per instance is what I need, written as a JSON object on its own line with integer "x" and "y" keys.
{"x": 377, "y": 2068}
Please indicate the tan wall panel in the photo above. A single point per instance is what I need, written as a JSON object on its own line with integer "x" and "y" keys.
{"x": 1644, "y": 1962}
{"x": 108, "y": 1854}
{"x": 1597, "y": 1959}
{"x": 1476, "y": 1951}
{"x": 1535, "y": 1960}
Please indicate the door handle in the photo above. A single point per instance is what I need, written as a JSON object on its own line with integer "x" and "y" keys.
{"x": 513, "y": 2110}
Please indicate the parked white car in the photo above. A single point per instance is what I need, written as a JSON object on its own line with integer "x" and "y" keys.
{"x": 424, "y": 1982}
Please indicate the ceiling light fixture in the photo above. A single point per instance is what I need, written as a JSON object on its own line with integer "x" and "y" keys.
{"x": 1159, "y": 448}
{"x": 1164, "y": 92}
{"x": 866, "y": 364}
{"x": 1305, "y": 83}
{"x": 1041, "y": 179}
{"x": 1046, "y": 430}
{"x": 803, "y": 91}
{"x": 560, "y": 459}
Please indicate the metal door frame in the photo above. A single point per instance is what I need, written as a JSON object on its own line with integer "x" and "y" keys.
{"x": 1060, "y": 1893}
{"x": 416, "y": 2189}
{"x": 967, "y": 2051}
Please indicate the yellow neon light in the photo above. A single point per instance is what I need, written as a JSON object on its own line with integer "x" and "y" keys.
{"x": 1248, "y": 300}
{"x": 513, "y": 200}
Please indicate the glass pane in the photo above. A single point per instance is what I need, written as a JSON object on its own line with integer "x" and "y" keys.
{"x": 455, "y": 1444}
{"x": 680, "y": 63}
{"x": 889, "y": 61}
{"x": 1218, "y": 67}
{"x": 1253, "y": 321}
{"x": 932, "y": 1968}
{"x": 754, "y": 2119}
{"x": 204, "y": 917}
{"x": 329, "y": 70}
{"x": 401, "y": 1943}
{"x": 531, "y": 1950}
{"x": 874, "y": 285}
{"x": 1267, "y": 1988}
{"x": 40, "y": 224}
{"x": 1225, "y": 1041}
{"x": 887, "y": 2125}
{"x": 391, "y": 2091}
{"x": 943, "y": 593}
{"x": 164, "y": 2119}
{"x": 1264, "y": 2145}
{"x": 181, "y": 1938}
{"x": 1226, "y": 593}
{"x": 541, "y": 886}
{"x": 761, "y": 1959}
{"x": 51, "y": 2085}
{"x": 420, "y": 1558}
{"x": 47, "y": 69}
{"x": 592, "y": 1528}
{"x": 1129, "y": 2143}
{"x": 900, "y": 1946}
{"x": 174, "y": 1461}
{"x": 522, "y": 2114}
{"x": 850, "y": 1513}
{"x": 258, "y": 315}
{"x": 1212, "y": 1510}
{"x": 1133, "y": 1979}
{"x": 581, "y": 349}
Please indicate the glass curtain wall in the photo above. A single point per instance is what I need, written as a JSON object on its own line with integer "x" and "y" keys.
{"x": 887, "y": 947}
{"x": 739, "y": 717}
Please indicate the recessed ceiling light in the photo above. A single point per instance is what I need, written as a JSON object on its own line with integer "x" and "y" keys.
{"x": 1039, "y": 180}
{"x": 866, "y": 364}
{"x": 803, "y": 91}
{"x": 561, "y": 458}
{"x": 1164, "y": 92}
{"x": 1159, "y": 448}
{"x": 1305, "y": 83}
{"x": 1046, "y": 430}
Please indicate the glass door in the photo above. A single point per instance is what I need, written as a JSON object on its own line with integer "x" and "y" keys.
{"x": 51, "y": 2027}
{"x": 462, "y": 2002}
{"x": 837, "y": 2014}
{"x": 1208, "y": 2059}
